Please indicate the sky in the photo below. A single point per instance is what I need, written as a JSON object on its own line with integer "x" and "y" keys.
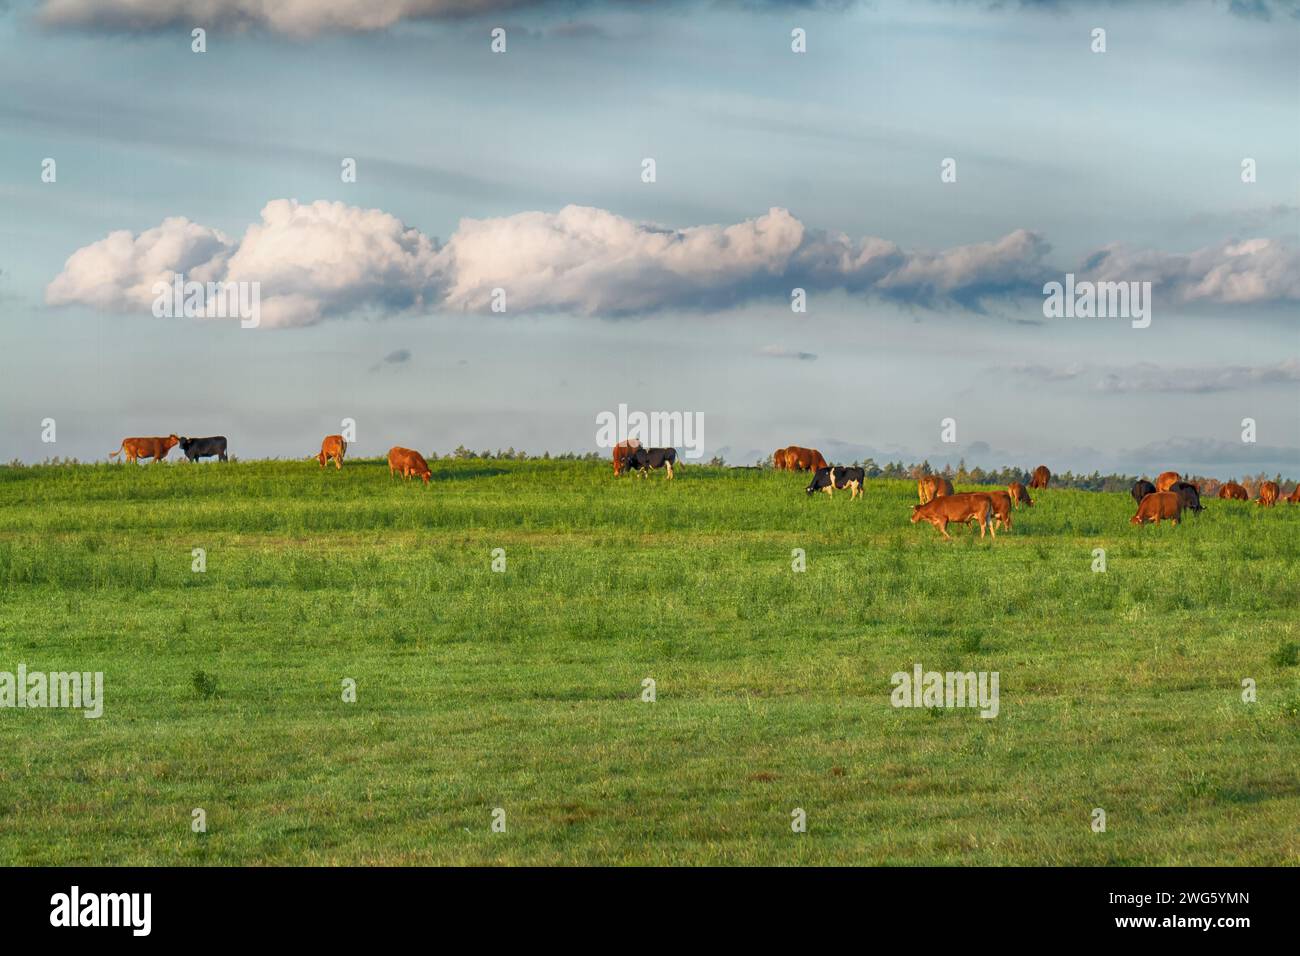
{"x": 523, "y": 171}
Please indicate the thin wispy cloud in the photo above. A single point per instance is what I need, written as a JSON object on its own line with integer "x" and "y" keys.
{"x": 1149, "y": 377}
{"x": 781, "y": 352}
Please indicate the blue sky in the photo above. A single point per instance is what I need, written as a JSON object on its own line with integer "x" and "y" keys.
{"x": 1138, "y": 148}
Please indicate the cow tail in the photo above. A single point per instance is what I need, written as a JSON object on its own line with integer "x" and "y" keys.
{"x": 114, "y": 454}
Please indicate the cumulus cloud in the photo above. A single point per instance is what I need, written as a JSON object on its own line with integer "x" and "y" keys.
{"x": 1230, "y": 273}
{"x": 311, "y": 262}
{"x": 327, "y": 259}
{"x": 306, "y": 18}
{"x": 301, "y": 19}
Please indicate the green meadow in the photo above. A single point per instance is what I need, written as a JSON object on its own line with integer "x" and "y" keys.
{"x": 522, "y": 689}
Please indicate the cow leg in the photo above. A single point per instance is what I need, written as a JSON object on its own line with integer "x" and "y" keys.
{"x": 943, "y": 530}
{"x": 992, "y": 530}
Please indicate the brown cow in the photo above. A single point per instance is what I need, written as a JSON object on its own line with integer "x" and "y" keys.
{"x": 1001, "y": 507}
{"x": 407, "y": 462}
{"x": 1294, "y": 497}
{"x": 332, "y": 447}
{"x": 136, "y": 448}
{"x": 963, "y": 508}
{"x": 1019, "y": 495}
{"x": 929, "y": 487}
{"x": 1040, "y": 477}
{"x": 1167, "y": 480}
{"x": 1269, "y": 492}
{"x": 621, "y": 451}
{"x": 798, "y": 458}
{"x": 779, "y": 460}
{"x": 1233, "y": 491}
{"x": 1158, "y": 505}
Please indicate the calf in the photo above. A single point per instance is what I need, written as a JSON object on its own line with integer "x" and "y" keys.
{"x": 962, "y": 508}
{"x": 1141, "y": 489}
{"x": 1019, "y": 494}
{"x": 1294, "y": 497}
{"x": 332, "y": 447}
{"x": 828, "y": 479}
{"x": 1040, "y": 478}
{"x": 1188, "y": 495}
{"x": 1156, "y": 506}
{"x": 196, "y": 448}
{"x": 642, "y": 459}
{"x": 407, "y": 462}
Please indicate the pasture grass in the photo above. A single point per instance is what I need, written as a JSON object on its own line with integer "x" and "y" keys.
{"x": 522, "y": 690}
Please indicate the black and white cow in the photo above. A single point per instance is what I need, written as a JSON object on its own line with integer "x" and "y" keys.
{"x": 196, "y": 448}
{"x": 643, "y": 459}
{"x": 837, "y": 476}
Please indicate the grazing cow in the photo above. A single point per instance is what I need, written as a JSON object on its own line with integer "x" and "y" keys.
{"x": 779, "y": 461}
{"x": 929, "y": 487}
{"x": 1188, "y": 494}
{"x": 798, "y": 458}
{"x": 196, "y": 448}
{"x": 1294, "y": 497}
{"x": 1233, "y": 491}
{"x": 963, "y": 508}
{"x": 137, "y": 448}
{"x": 643, "y": 459}
{"x": 1166, "y": 480}
{"x": 1001, "y": 508}
{"x": 1269, "y": 492}
{"x": 1019, "y": 494}
{"x": 1040, "y": 477}
{"x": 407, "y": 462}
{"x": 1158, "y": 505}
{"x": 621, "y": 452}
{"x": 1141, "y": 489}
{"x": 837, "y": 476}
{"x": 332, "y": 447}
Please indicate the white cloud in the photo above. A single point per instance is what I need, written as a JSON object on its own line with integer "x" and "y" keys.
{"x": 301, "y": 18}
{"x": 1230, "y": 273}
{"x": 312, "y": 261}
{"x": 327, "y": 259}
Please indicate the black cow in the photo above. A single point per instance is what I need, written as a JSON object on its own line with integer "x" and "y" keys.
{"x": 837, "y": 476}
{"x": 196, "y": 448}
{"x": 643, "y": 459}
{"x": 1188, "y": 495}
{"x": 1141, "y": 489}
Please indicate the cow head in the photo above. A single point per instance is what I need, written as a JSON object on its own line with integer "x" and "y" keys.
{"x": 170, "y": 442}
{"x": 821, "y": 479}
{"x": 916, "y": 513}
{"x": 185, "y": 443}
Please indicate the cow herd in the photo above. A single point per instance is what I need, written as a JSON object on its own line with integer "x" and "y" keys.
{"x": 1165, "y": 499}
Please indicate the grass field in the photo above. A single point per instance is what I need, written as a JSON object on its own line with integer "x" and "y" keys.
{"x": 522, "y": 690}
